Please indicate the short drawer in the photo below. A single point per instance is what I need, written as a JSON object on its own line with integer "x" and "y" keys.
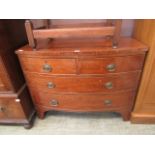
{"x": 10, "y": 109}
{"x": 85, "y": 102}
{"x": 50, "y": 66}
{"x": 81, "y": 84}
{"x": 111, "y": 64}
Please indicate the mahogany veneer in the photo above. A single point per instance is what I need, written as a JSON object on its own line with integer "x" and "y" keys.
{"x": 84, "y": 84}
{"x": 83, "y": 74}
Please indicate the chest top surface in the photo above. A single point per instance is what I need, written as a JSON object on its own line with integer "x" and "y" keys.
{"x": 83, "y": 47}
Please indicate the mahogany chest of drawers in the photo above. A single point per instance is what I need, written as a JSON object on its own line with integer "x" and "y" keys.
{"x": 84, "y": 75}
{"x": 15, "y": 102}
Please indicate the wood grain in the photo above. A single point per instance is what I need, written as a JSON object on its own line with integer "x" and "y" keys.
{"x": 83, "y": 47}
{"x": 59, "y": 66}
{"x": 16, "y": 108}
{"x": 83, "y": 66}
{"x": 15, "y": 102}
{"x": 122, "y": 64}
{"x": 84, "y": 84}
{"x": 108, "y": 30}
{"x": 73, "y": 32}
{"x": 86, "y": 102}
{"x": 29, "y": 31}
{"x": 144, "y": 111}
{"x": 117, "y": 32}
{"x": 9, "y": 64}
{"x": 79, "y": 72}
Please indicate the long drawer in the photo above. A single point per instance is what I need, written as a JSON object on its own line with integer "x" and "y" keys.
{"x": 82, "y": 66}
{"x": 80, "y": 84}
{"x": 85, "y": 102}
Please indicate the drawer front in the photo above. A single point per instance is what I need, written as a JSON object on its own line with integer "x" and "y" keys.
{"x": 85, "y": 102}
{"x": 81, "y": 84}
{"x": 9, "y": 109}
{"x": 50, "y": 66}
{"x": 111, "y": 65}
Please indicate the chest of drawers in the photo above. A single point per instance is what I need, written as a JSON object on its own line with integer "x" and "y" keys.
{"x": 15, "y": 102}
{"x": 83, "y": 75}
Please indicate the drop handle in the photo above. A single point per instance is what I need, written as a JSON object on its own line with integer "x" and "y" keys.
{"x": 47, "y": 68}
{"x": 54, "y": 103}
{"x": 108, "y": 85}
{"x": 111, "y": 67}
{"x": 107, "y": 102}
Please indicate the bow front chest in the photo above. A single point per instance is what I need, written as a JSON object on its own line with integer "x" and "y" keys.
{"x": 85, "y": 75}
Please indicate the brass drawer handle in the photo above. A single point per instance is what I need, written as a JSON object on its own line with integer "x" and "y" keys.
{"x": 109, "y": 85}
{"x": 107, "y": 102}
{"x": 54, "y": 102}
{"x": 111, "y": 67}
{"x": 47, "y": 68}
{"x": 51, "y": 85}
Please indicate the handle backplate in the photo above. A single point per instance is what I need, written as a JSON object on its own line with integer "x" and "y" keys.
{"x": 51, "y": 85}
{"x": 107, "y": 102}
{"x": 108, "y": 85}
{"x": 111, "y": 67}
{"x": 54, "y": 102}
{"x": 47, "y": 68}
